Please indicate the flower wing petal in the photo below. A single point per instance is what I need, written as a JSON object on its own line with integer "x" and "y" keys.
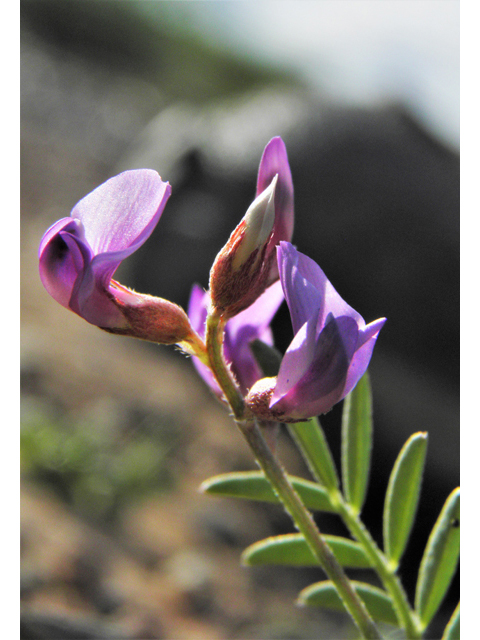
{"x": 361, "y": 359}
{"x": 259, "y": 314}
{"x": 304, "y": 299}
{"x": 323, "y": 381}
{"x": 296, "y": 361}
{"x": 197, "y": 313}
{"x": 247, "y": 326}
{"x": 308, "y": 290}
{"x": 121, "y": 213}
{"x": 197, "y": 309}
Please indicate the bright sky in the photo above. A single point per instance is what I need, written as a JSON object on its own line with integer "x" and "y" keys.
{"x": 358, "y": 51}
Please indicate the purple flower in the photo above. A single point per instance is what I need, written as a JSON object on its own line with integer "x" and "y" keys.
{"x": 246, "y": 265}
{"x": 240, "y": 331}
{"x": 330, "y": 352}
{"x": 78, "y": 256}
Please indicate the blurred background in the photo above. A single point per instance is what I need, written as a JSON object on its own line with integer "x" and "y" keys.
{"x": 116, "y": 436}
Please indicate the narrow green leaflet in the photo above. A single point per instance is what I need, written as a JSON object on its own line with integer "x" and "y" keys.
{"x": 439, "y": 561}
{"x": 324, "y": 594}
{"x": 357, "y": 442}
{"x": 253, "y": 485}
{"x": 311, "y": 441}
{"x": 292, "y": 549}
{"x": 402, "y": 496}
{"x": 452, "y": 630}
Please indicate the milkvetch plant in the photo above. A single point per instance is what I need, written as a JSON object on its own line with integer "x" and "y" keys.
{"x": 227, "y": 333}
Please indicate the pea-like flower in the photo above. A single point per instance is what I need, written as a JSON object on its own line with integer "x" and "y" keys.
{"x": 329, "y": 354}
{"x": 78, "y": 256}
{"x": 240, "y": 332}
{"x": 246, "y": 265}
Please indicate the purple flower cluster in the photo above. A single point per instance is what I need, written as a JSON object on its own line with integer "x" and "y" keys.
{"x": 332, "y": 345}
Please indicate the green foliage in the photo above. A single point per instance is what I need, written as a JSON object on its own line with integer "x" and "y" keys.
{"x": 292, "y": 549}
{"x": 311, "y": 440}
{"x": 357, "y": 442}
{"x": 439, "y": 560}
{"x": 389, "y": 605}
{"x": 402, "y": 496}
{"x": 253, "y": 485}
{"x": 452, "y": 630}
{"x": 96, "y": 471}
{"x": 323, "y": 594}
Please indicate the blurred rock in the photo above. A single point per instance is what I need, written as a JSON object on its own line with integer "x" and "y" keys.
{"x": 377, "y": 205}
{"x": 38, "y": 626}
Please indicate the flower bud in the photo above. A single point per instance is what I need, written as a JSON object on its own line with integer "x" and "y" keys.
{"x": 240, "y": 272}
{"x": 259, "y": 221}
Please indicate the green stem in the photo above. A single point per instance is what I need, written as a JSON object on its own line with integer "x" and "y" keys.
{"x": 405, "y": 615}
{"x": 308, "y": 437}
{"x": 280, "y": 483}
{"x": 306, "y": 525}
{"x": 214, "y": 344}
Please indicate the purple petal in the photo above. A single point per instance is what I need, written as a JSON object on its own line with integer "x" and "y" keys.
{"x": 238, "y": 353}
{"x": 197, "y": 313}
{"x": 62, "y": 255}
{"x": 118, "y": 217}
{"x": 308, "y": 290}
{"x": 260, "y": 313}
{"x": 197, "y": 309}
{"x": 78, "y": 255}
{"x": 296, "y": 361}
{"x": 240, "y": 331}
{"x": 121, "y": 213}
{"x": 249, "y": 325}
{"x": 363, "y": 353}
{"x": 303, "y": 298}
{"x": 322, "y": 383}
{"x": 275, "y": 161}
{"x": 94, "y": 303}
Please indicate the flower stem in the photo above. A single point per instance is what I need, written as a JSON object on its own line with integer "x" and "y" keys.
{"x": 405, "y": 615}
{"x": 306, "y": 525}
{"x": 214, "y": 344}
{"x": 280, "y": 483}
{"x": 307, "y": 433}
